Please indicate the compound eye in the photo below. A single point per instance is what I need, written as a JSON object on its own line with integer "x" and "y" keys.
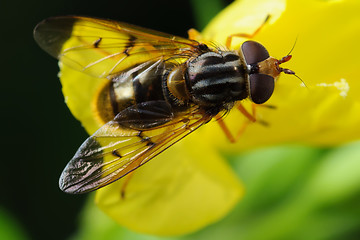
{"x": 261, "y": 87}
{"x": 254, "y": 52}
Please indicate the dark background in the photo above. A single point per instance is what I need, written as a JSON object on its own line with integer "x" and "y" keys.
{"x": 39, "y": 134}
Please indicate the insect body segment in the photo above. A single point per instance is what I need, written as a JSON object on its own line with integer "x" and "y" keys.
{"x": 217, "y": 78}
{"x": 159, "y": 89}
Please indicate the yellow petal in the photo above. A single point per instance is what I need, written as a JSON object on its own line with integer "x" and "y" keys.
{"x": 79, "y": 91}
{"x": 325, "y": 57}
{"x": 188, "y": 177}
{"x": 189, "y": 186}
{"x": 186, "y": 188}
{"x": 243, "y": 16}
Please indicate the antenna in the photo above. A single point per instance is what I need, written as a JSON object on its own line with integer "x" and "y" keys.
{"x": 287, "y": 58}
{"x": 293, "y": 46}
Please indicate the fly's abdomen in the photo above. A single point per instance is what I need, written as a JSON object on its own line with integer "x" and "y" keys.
{"x": 215, "y": 78}
{"x": 137, "y": 85}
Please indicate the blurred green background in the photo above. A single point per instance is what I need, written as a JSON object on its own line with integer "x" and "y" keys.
{"x": 293, "y": 192}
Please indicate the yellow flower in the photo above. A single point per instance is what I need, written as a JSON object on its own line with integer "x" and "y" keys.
{"x": 190, "y": 185}
{"x": 325, "y": 57}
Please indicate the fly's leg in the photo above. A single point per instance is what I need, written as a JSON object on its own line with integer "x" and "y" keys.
{"x": 246, "y": 35}
{"x": 226, "y": 130}
{"x": 194, "y": 34}
{"x": 126, "y": 182}
{"x": 250, "y": 116}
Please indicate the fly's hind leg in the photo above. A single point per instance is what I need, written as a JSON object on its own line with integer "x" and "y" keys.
{"x": 126, "y": 182}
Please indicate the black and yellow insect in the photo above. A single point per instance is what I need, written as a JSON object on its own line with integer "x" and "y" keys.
{"x": 160, "y": 88}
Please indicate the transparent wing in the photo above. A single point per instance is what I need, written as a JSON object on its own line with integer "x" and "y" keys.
{"x": 104, "y": 47}
{"x": 115, "y": 149}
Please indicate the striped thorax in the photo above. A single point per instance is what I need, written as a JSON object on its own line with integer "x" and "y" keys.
{"x": 217, "y": 78}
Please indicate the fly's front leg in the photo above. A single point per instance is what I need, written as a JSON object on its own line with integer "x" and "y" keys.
{"x": 246, "y": 35}
{"x": 250, "y": 116}
{"x": 225, "y": 129}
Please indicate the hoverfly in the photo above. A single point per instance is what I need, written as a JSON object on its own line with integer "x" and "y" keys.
{"x": 160, "y": 88}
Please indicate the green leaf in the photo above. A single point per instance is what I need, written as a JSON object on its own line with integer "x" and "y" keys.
{"x": 10, "y": 229}
{"x": 204, "y": 11}
{"x": 287, "y": 197}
